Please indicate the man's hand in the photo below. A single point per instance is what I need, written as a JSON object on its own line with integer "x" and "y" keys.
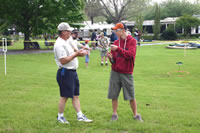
{"x": 83, "y": 47}
{"x": 114, "y": 47}
{"x": 81, "y": 53}
{"x": 109, "y": 55}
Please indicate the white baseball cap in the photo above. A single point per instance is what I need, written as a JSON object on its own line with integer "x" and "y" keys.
{"x": 64, "y": 26}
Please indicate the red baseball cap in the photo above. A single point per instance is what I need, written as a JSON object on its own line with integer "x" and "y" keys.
{"x": 86, "y": 41}
{"x": 119, "y": 26}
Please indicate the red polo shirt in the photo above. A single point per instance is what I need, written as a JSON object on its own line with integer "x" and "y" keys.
{"x": 124, "y": 57}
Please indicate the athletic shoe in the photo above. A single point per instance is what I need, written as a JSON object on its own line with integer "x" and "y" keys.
{"x": 83, "y": 118}
{"x": 101, "y": 64}
{"x": 114, "y": 117}
{"x": 62, "y": 120}
{"x": 138, "y": 117}
{"x": 106, "y": 64}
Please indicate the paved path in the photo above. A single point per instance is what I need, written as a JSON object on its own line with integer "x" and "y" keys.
{"x": 162, "y": 43}
{"x": 27, "y": 52}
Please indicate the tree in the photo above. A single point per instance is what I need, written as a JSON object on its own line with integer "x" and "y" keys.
{"x": 33, "y": 17}
{"x": 93, "y": 9}
{"x": 173, "y": 8}
{"x": 156, "y": 26}
{"x": 139, "y": 22}
{"x": 187, "y": 22}
{"x": 118, "y": 10}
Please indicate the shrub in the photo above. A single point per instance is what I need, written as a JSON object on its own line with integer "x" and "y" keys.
{"x": 147, "y": 37}
{"x": 169, "y": 34}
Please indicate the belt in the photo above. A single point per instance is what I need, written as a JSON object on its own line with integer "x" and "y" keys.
{"x": 65, "y": 69}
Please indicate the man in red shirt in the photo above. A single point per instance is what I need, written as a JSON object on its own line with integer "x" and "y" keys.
{"x": 122, "y": 57}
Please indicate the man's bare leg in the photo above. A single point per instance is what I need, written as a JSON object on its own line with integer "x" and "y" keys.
{"x": 61, "y": 108}
{"x": 77, "y": 107}
{"x": 114, "y": 105}
{"x": 61, "y": 105}
{"x": 76, "y": 104}
{"x": 133, "y": 105}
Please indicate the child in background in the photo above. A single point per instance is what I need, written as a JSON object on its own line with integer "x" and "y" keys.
{"x": 87, "y": 57}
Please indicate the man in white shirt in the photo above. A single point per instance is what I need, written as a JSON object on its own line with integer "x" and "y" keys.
{"x": 67, "y": 78}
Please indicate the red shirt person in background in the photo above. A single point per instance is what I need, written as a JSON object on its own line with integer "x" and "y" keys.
{"x": 122, "y": 57}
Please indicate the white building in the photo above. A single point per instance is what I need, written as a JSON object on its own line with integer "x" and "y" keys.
{"x": 148, "y": 25}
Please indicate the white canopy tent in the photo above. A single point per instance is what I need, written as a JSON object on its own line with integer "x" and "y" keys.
{"x": 96, "y": 26}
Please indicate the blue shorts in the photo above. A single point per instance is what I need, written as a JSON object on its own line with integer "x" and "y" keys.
{"x": 87, "y": 59}
{"x": 68, "y": 82}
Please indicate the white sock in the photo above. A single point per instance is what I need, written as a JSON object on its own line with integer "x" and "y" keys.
{"x": 60, "y": 115}
{"x": 106, "y": 62}
{"x": 79, "y": 114}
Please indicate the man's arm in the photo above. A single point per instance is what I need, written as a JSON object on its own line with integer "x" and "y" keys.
{"x": 67, "y": 59}
{"x": 128, "y": 54}
{"x": 64, "y": 58}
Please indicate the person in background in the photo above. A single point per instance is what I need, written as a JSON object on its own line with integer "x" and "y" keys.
{"x": 80, "y": 35}
{"x": 94, "y": 38}
{"x": 128, "y": 32}
{"x": 122, "y": 57}
{"x": 73, "y": 41}
{"x": 87, "y": 56}
{"x": 105, "y": 33}
{"x": 67, "y": 77}
{"x": 113, "y": 37}
{"x": 103, "y": 44}
{"x": 46, "y": 42}
{"x": 136, "y": 35}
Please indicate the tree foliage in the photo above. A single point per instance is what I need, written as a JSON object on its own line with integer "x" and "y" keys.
{"x": 156, "y": 26}
{"x": 173, "y": 8}
{"x": 187, "y": 22}
{"x": 33, "y": 17}
{"x": 93, "y": 9}
{"x": 139, "y": 22}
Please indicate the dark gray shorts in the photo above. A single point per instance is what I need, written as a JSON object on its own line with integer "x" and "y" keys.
{"x": 118, "y": 81}
{"x": 103, "y": 53}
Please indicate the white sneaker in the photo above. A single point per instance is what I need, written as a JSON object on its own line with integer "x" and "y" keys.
{"x": 62, "y": 120}
{"x": 83, "y": 118}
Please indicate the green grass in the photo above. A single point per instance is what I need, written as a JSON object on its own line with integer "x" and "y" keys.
{"x": 19, "y": 45}
{"x": 29, "y": 95}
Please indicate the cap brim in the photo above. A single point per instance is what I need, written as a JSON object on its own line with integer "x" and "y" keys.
{"x": 114, "y": 28}
{"x": 71, "y": 29}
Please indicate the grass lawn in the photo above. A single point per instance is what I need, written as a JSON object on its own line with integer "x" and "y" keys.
{"x": 29, "y": 95}
{"x": 19, "y": 45}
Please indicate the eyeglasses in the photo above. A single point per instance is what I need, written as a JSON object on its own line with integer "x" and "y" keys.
{"x": 118, "y": 30}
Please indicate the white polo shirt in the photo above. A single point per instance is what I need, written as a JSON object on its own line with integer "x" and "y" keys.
{"x": 74, "y": 43}
{"x": 63, "y": 49}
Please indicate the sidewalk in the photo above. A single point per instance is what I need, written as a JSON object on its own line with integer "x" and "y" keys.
{"x": 26, "y": 51}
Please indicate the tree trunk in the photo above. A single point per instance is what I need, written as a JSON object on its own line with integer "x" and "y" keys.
{"x": 26, "y": 41}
